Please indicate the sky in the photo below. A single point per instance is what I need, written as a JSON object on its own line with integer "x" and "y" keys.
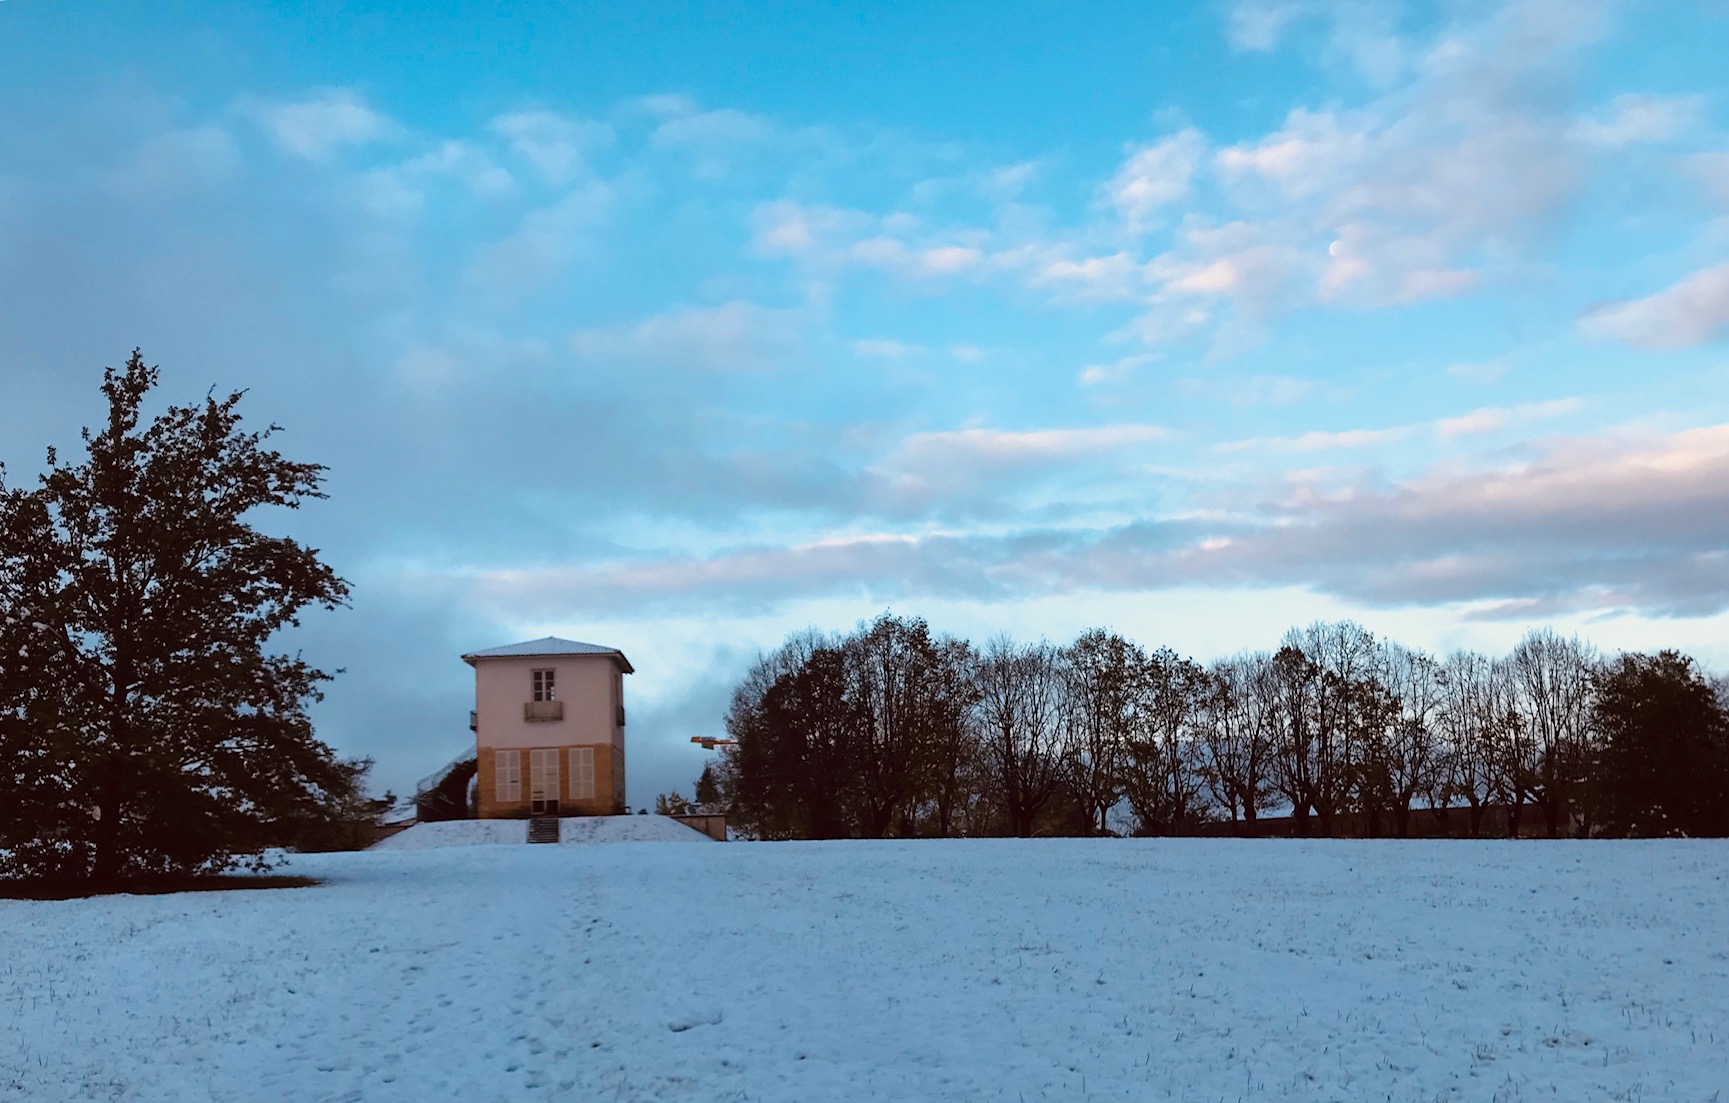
{"x": 678, "y": 327}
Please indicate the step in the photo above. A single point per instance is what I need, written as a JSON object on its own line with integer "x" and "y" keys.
{"x": 543, "y": 829}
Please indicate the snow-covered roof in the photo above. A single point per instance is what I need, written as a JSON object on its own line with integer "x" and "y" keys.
{"x": 548, "y": 645}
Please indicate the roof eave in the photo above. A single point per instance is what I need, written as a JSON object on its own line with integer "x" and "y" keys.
{"x": 616, "y": 656}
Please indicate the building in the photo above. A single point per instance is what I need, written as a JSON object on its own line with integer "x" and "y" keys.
{"x": 548, "y": 726}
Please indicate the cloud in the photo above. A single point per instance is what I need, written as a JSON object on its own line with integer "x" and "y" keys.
{"x": 883, "y": 348}
{"x": 1693, "y": 312}
{"x": 1712, "y": 172}
{"x": 1314, "y": 153}
{"x": 1492, "y": 419}
{"x": 716, "y": 142}
{"x": 1360, "y": 33}
{"x": 1588, "y": 523}
{"x": 1244, "y": 262}
{"x": 542, "y": 245}
{"x": 936, "y": 451}
{"x": 555, "y": 146}
{"x": 731, "y": 338}
{"x": 318, "y": 127}
{"x": 1155, "y": 176}
{"x": 1253, "y": 390}
{"x": 177, "y": 162}
{"x": 1632, "y": 118}
{"x": 1117, "y": 371}
{"x": 1320, "y": 441}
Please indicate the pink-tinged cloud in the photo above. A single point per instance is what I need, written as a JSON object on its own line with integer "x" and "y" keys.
{"x": 1692, "y": 312}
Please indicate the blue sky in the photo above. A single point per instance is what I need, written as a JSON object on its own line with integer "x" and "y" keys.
{"x": 681, "y": 326}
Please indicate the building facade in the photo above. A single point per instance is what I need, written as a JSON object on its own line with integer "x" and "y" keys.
{"x": 548, "y": 726}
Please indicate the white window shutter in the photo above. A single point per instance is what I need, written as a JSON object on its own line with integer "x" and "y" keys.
{"x": 507, "y": 776}
{"x": 582, "y": 773}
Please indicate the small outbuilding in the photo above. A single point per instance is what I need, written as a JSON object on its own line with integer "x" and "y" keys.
{"x": 548, "y": 726}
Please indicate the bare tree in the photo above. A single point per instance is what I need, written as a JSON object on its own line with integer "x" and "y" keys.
{"x": 1553, "y": 678}
{"x": 1162, "y": 769}
{"x": 1098, "y": 715}
{"x": 1409, "y": 747}
{"x": 1020, "y": 720}
{"x": 1238, "y": 730}
{"x": 1472, "y": 755}
{"x": 1349, "y": 704}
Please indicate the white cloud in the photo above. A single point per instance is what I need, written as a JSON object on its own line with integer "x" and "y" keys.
{"x": 734, "y": 337}
{"x": 1692, "y": 312}
{"x": 883, "y": 348}
{"x": 1117, "y": 371}
{"x": 1100, "y": 278}
{"x": 1154, "y": 177}
{"x": 1491, "y": 419}
{"x": 1313, "y": 154}
{"x": 935, "y": 451}
{"x": 465, "y": 162}
{"x": 1320, "y": 441}
{"x": 1244, "y": 262}
{"x": 1632, "y": 118}
{"x": 318, "y": 127}
{"x": 542, "y": 245}
{"x": 555, "y": 146}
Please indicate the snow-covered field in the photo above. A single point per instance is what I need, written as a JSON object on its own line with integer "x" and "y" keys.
{"x": 990, "y": 970}
{"x": 573, "y": 831}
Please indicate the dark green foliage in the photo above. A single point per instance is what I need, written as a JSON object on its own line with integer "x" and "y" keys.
{"x": 708, "y": 787}
{"x": 146, "y": 728}
{"x": 1662, "y": 764}
{"x": 862, "y": 736}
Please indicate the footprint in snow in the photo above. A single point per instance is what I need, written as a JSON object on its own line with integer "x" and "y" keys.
{"x": 701, "y": 1018}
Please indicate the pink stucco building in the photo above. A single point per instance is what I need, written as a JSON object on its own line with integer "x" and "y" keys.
{"x": 549, "y": 728}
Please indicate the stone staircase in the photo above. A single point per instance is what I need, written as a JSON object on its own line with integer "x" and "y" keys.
{"x": 543, "y": 829}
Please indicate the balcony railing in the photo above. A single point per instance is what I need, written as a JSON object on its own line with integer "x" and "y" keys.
{"x": 473, "y": 720}
{"x": 621, "y": 716}
{"x": 533, "y": 711}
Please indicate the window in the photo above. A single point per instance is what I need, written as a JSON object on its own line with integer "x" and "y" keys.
{"x": 543, "y": 685}
{"x": 543, "y": 775}
{"x": 582, "y": 773}
{"x": 507, "y": 777}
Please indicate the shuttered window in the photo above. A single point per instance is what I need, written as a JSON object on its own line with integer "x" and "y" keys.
{"x": 582, "y": 773}
{"x": 543, "y": 775}
{"x": 507, "y": 776}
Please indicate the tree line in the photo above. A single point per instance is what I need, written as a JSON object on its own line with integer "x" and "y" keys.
{"x": 892, "y": 730}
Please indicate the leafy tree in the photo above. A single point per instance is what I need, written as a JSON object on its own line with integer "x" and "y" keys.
{"x": 707, "y": 792}
{"x": 1663, "y": 766}
{"x": 149, "y": 728}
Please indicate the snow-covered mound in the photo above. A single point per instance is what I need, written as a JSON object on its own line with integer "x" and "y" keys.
{"x": 572, "y": 831}
{"x": 1125, "y": 970}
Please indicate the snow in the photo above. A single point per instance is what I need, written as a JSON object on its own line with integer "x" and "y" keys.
{"x": 572, "y": 831}
{"x": 963, "y": 970}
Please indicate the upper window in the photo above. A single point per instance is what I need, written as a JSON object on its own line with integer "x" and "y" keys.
{"x": 543, "y": 686}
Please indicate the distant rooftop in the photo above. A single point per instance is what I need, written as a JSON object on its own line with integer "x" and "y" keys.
{"x": 548, "y": 645}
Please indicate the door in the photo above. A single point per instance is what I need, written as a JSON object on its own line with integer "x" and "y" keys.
{"x": 543, "y": 782}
